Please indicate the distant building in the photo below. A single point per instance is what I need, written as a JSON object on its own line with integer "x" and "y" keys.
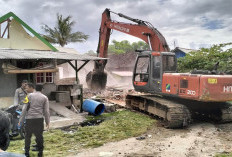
{"x": 181, "y": 52}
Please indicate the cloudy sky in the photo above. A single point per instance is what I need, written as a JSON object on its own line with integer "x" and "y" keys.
{"x": 190, "y": 23}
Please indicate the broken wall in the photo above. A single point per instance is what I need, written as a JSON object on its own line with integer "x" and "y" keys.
{"x": 8, "y": 85}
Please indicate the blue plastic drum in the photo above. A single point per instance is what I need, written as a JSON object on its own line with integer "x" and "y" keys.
{"x": 93, "y": 107}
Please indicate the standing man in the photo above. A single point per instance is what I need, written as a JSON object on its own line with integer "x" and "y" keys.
{"x": 35, "y": 111}
{"x": 20, "y": 93}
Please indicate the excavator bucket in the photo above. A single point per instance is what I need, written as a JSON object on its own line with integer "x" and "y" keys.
{"x": 96, "y": 80}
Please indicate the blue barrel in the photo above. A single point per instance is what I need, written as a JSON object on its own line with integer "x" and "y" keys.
{"x": 93, "y": 107}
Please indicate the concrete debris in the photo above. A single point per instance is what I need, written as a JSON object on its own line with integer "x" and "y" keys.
{"x": 112, "y": 97}
{"x": 109, "y": 107}
{"x": 110, "y": 93}
{"x": 104, "y": 154}
{"x": 66, "y": 117}
{"x": 117, "y": 96}
{"x": 149, "y": 136}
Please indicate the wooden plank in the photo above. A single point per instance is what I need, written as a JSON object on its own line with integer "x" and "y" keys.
{"x": 64, "y": 111}
{"x": 27, "y": 71}
{"x": 7, "y": 27}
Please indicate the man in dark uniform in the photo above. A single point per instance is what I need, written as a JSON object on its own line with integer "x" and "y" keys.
{"x": 35, "y": 111}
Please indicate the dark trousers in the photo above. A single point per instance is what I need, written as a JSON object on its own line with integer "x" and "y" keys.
{"x": 36, "y": 127}
{"x": 15, "y": 121}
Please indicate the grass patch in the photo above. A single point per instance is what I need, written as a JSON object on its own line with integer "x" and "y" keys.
{"x": 116, "y": 126}
{"x": 224, "y": 155}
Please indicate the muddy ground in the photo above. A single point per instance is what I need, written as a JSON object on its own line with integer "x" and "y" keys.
{"x": 200, "y": 139}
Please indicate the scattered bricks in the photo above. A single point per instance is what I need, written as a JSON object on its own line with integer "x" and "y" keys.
{"x": 117, "y": 96}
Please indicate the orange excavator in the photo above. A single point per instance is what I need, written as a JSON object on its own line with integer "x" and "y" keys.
{"x": 174, "y": 97}
{"x": 97, "y": 78}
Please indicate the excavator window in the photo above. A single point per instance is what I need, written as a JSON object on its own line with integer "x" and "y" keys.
{"x": 169, "y": 63}
{"x": 142, "y": 69}
{"x": 156, "y": 67}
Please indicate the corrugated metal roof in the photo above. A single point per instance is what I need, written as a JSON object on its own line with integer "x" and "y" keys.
{"x": 66, "y": 49}
{"x": 34, "y": 54}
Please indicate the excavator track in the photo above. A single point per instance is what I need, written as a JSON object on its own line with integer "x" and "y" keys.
{"x": 226, "y": 115}
{"x": 177, "y": 114}
{"x": 223, "y": 113}
{"x": 174, "y": 115}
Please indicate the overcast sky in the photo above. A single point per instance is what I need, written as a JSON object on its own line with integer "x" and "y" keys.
{"x": 190, "y": 23}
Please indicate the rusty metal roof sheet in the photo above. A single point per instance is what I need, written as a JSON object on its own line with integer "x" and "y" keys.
{"x": 35, "y": 54}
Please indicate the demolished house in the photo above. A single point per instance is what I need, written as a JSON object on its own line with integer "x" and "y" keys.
{"x": 24, "y": 54}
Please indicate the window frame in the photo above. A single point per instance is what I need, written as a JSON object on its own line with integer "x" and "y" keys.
{"x": 44, "y": 77}
{"x": 139, "y": 74}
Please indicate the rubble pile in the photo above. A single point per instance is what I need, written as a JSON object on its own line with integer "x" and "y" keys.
{"x": 112, "y": 98}
{"x": 109, "y": 93}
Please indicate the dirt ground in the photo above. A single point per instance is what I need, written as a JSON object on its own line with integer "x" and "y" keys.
{"x": 200, "y": 139}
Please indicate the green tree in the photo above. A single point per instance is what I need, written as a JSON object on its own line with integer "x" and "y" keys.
{"x": 140, "y": 45}
{"x": 206, "y": 58}
{"x": 62, "y": 33}
{"x": 124, "y": 46}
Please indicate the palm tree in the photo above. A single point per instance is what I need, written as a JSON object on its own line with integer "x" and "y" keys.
{"x": 62, "y": 33}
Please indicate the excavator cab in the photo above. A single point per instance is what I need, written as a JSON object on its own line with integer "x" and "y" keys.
{"x": 149, "y": 69}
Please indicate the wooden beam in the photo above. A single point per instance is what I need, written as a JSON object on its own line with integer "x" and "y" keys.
{"x": 82, "y": 65}
{"x": 27, "y": 71}
{"x": 5, "y": 29}
{"x": 76, "y": 72}
{"x": 8, "y": 33}
{"x": 70, "y": 63}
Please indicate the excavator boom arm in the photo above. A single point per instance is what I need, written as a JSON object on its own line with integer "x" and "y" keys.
{"x": 141, "y": 30}
{"x": 97, "y": 78}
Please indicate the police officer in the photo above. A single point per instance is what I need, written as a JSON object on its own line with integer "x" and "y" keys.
{"x": 35, "y": 111}
{"x": 20, "y": 93}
